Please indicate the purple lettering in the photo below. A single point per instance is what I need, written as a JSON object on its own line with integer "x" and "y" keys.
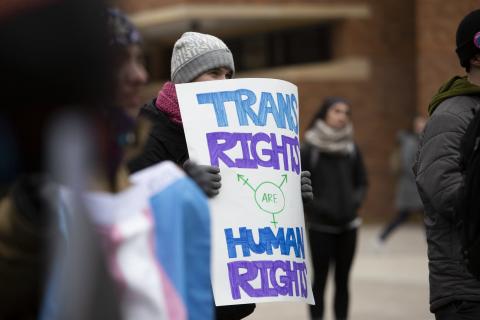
{"x": 283, "y": 289}
{"x": 240, "y": 280}
{"x": 265, "y": 290}
{"x": 247, "y": 144}
{"x": 255, "y": 140}
{"x": 246, "y": 161}
{"x": 302, "y": 271}
{"x": 292, "y": 278}
{"x": 217, "y": 149}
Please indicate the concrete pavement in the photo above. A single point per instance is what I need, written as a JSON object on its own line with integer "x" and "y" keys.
{"x": 386, "y": 284}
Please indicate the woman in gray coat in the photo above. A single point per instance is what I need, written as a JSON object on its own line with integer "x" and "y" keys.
{"x": 407, "y": 199}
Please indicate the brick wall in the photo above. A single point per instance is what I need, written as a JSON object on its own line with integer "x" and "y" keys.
{"x": 382, "y": 104}
{"x": 437, "y": 23}
{"x": 133, "y": 6}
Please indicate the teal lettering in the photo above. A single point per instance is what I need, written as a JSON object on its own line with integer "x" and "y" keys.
{"x": 268, "y": 106}
{"x": 283, "y": 110}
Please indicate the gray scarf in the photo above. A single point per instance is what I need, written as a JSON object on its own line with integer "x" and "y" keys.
{"x": 329, "y": 139}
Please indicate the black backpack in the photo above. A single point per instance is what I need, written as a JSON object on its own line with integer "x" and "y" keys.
{"x": 468, "y": 205}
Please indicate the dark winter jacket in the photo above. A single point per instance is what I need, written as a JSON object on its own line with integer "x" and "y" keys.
{"x": 439, "y": 180}
{"x": 339, "y": 184}
{"x": 166, "y": 140}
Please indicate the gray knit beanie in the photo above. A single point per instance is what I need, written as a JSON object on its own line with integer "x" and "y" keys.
{"x": 195, "y": 53}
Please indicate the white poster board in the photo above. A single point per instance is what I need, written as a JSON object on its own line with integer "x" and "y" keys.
{"x": 249, "y": 129}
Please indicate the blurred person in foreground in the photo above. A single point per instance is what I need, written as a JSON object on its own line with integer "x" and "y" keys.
{"x": 51, "y": 52}
{"x": 144, "y": 231}
{"x": 454, "y": 292}
{"x": 339, "y": 184}
{"x": 127, "y": 53}
{"x": 407, "y": 199}
{"x": 69, "y": 111}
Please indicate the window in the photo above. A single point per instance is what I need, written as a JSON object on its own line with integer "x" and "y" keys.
{"x": 282, "y": 47}
{"x": 261, "y": 50}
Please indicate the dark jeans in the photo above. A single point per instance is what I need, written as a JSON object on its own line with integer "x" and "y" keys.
{"x": 459, "y": 310}
{"x": 332, "y": 249}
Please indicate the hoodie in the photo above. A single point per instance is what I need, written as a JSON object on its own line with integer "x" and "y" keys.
{"x": 457, "y": 86}
{"x": 439, "y": 179}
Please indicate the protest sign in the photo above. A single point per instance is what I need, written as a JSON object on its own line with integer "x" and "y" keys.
{"x": 249, "y": 129}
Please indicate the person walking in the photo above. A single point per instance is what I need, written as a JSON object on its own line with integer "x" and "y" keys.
{"x": 454, "y": 292}
{"x": 339, "y": 182}
{"x": 407, "y": 199}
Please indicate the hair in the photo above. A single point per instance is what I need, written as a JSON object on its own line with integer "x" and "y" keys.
{"x": 325, "y": 106}
{"x": 122, "y": 34}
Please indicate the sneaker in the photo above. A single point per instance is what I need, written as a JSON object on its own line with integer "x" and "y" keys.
{"x": 378, "y": 244}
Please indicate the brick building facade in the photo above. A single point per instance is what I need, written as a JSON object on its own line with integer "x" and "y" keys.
{"x": 386, "y": 56}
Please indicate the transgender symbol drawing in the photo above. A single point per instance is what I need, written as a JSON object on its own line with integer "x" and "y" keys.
{"x": 269, "y": 197}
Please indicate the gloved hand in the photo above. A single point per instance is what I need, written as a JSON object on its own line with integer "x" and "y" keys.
{"x": 207, "y": 177}
{"x": 306, "y": 187}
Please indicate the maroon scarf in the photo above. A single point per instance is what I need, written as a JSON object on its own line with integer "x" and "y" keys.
{"x": 167, "y": 102}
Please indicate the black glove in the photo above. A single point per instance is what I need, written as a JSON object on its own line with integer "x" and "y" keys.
{"x": 307, "y": 190}
{"x": 207, "y": 177}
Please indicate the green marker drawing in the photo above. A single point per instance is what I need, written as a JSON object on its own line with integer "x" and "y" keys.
{"x": 268, "y": 196}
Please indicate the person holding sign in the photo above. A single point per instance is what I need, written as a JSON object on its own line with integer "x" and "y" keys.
{"x": 340, "y": 183}
{"x": 407, "y": 199}
{"x": 196, "y": 57}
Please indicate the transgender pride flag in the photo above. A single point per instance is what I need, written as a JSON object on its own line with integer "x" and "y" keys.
{"x": 156, "y": 236}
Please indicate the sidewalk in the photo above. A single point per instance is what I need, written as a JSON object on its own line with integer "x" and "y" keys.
{"x": 390, "y": 284}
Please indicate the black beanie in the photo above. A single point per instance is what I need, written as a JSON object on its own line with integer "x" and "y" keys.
{"x": 468, "y": 41}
